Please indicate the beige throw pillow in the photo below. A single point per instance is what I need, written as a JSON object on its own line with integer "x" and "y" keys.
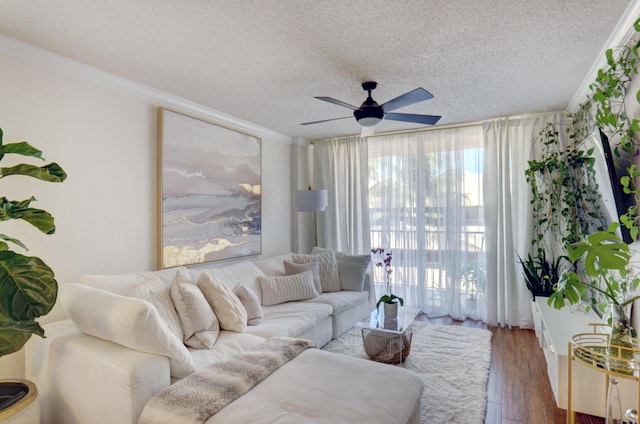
{"x": 329, "y": 277}
{"x": 291, "y": 268}
{"x": 226, "y": 305}
{"x": 199, "y": 323}
{"x": 287, "y": 288}
{"x": 251, "y": 303}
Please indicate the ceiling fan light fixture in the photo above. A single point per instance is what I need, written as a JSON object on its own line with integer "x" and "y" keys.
{"x": 369, "y": 122}
{"x": 369, "y": 116}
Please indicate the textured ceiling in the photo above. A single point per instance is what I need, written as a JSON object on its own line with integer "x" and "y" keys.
{"x": 264, "y": 60}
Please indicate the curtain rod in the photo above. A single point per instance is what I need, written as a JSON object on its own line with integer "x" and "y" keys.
{"x": 452, "y": 126}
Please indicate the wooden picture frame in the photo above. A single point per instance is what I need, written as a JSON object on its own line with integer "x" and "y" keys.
{"x": 209, "y": 191}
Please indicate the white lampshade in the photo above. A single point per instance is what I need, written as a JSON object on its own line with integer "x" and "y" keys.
{"x": 310, "y": 200}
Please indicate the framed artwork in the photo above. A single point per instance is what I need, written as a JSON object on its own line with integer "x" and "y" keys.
{"x": 209, "y": 191}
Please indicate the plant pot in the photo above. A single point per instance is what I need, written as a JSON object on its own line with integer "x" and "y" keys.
{"x": 391, "y": 310}
{"x": 26, "y": 407}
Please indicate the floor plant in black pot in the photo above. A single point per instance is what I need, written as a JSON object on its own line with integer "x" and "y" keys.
{"x": 28, "y": 289}
{"x": 541, "y": 273}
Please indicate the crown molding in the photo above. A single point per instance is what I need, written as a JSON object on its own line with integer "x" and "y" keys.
{"x": 620, "y": 36}
{"x": 44, "y": 57}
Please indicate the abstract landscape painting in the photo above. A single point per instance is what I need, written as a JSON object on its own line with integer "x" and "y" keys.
{"x": 210, "y": 191}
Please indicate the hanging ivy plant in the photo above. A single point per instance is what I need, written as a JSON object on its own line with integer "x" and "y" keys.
{"x": 607, "y": 105}
{"x": 562, "y": 183}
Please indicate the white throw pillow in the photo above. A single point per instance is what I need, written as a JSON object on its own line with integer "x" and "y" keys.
{"x": 292, "y": 268}
{"x": 329, "y": 277}
{"x": 251, "y": 303}
{"x": 226, "y": 305}
{"x": 352, "y": 269}
{"x": 127, "y": 321}
{"x": 287, "y": 288}
{"x": 157, "y": 293}
{"x": 199, "y": 323}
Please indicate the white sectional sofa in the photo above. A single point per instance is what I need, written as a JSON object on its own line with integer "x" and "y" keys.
{"x": 104, "y": 363}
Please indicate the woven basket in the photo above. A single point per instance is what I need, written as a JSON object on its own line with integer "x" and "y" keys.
{"x": 383, "y": 346}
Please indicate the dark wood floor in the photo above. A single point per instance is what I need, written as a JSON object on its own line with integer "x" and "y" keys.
{"x": 519, "y": 389}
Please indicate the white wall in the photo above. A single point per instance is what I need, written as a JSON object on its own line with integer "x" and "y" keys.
{"x": 103, "y": 131}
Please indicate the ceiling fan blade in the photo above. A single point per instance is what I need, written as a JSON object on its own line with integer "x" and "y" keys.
{"x": 367, "y": 131}
{"x": 414, "y": 96}
{"x": 410, "y": 117}
{"x": 337, "y": 102}
{"x": 326, "y": 120}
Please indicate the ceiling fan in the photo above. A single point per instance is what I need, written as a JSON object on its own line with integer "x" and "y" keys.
{"x": 370, "y": 113}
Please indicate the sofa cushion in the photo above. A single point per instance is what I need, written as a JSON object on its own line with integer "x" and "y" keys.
{"x": 341, "y": 301}
{"x": 245, "y": 273}
{"x": 226, "y": 305}
{"x": 290, "y": 319}
{"x": 287, "y": 288}
{"x": 250, "y": 302}
{"x": 329, "y": 277}
{"x": 124, "y": 283}
{"x": 292, "y": 268}
{"x": 228, "y": 345}
{"x": 158, "y": 294}
{"x": 127, "y": 321}
{"x": 199, "y": 323}
{"x": 272, "y": 266}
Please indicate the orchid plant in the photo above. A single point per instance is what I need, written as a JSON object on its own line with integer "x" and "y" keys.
{"x": 383, "y": 260}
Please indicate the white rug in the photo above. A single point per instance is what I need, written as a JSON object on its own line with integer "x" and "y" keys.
{"x": 452, "y": 361}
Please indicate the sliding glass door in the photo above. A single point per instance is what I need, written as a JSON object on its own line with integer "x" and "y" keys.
{"x": 426, "y": 208}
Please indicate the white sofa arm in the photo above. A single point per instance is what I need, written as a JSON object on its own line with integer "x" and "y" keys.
{"x": 84, "y": 379}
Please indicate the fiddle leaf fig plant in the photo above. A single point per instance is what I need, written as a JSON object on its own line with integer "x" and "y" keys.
{"x": 28, "y": 289}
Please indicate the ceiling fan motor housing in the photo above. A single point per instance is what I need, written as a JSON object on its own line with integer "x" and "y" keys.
{"x": 370, "y": 113}
{"x": 369, "y": 116}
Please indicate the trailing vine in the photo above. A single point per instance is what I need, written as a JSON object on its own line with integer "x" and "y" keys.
{"x": 606, "y": 104}
{"x": 564, "y": 194}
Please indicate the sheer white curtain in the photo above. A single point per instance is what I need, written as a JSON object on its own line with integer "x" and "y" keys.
{"x": 340, "y": 166}
{"x": 509, "y": 144}
{"x": 425, "y": 202}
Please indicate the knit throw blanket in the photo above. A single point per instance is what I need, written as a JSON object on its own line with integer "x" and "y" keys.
{"x": 195, "y": 398}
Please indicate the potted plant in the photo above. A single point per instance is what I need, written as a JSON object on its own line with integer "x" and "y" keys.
{"x": 28, "y": 289}
{"x": 542, "y": 274}
{"x": 473, "y": 278}
{"x": 609, "y": 275}
{"x": 389, "y": 299}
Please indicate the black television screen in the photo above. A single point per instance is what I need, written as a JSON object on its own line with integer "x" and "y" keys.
{"x": 613, "y": 201}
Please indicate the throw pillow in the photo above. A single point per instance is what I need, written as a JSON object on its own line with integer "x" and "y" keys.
{"x": 157, "y": 293}
{"x": 226, "y": 305}
{"x": 251, "y": 303}
{"x": 329, "y": 277}
{"x": 287, "y": 288}
{"x": 199, "y": 323}
{"x": 291, "y": 268}
{"x": 127, "y": 321}
{"x": 352, "y": 269}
